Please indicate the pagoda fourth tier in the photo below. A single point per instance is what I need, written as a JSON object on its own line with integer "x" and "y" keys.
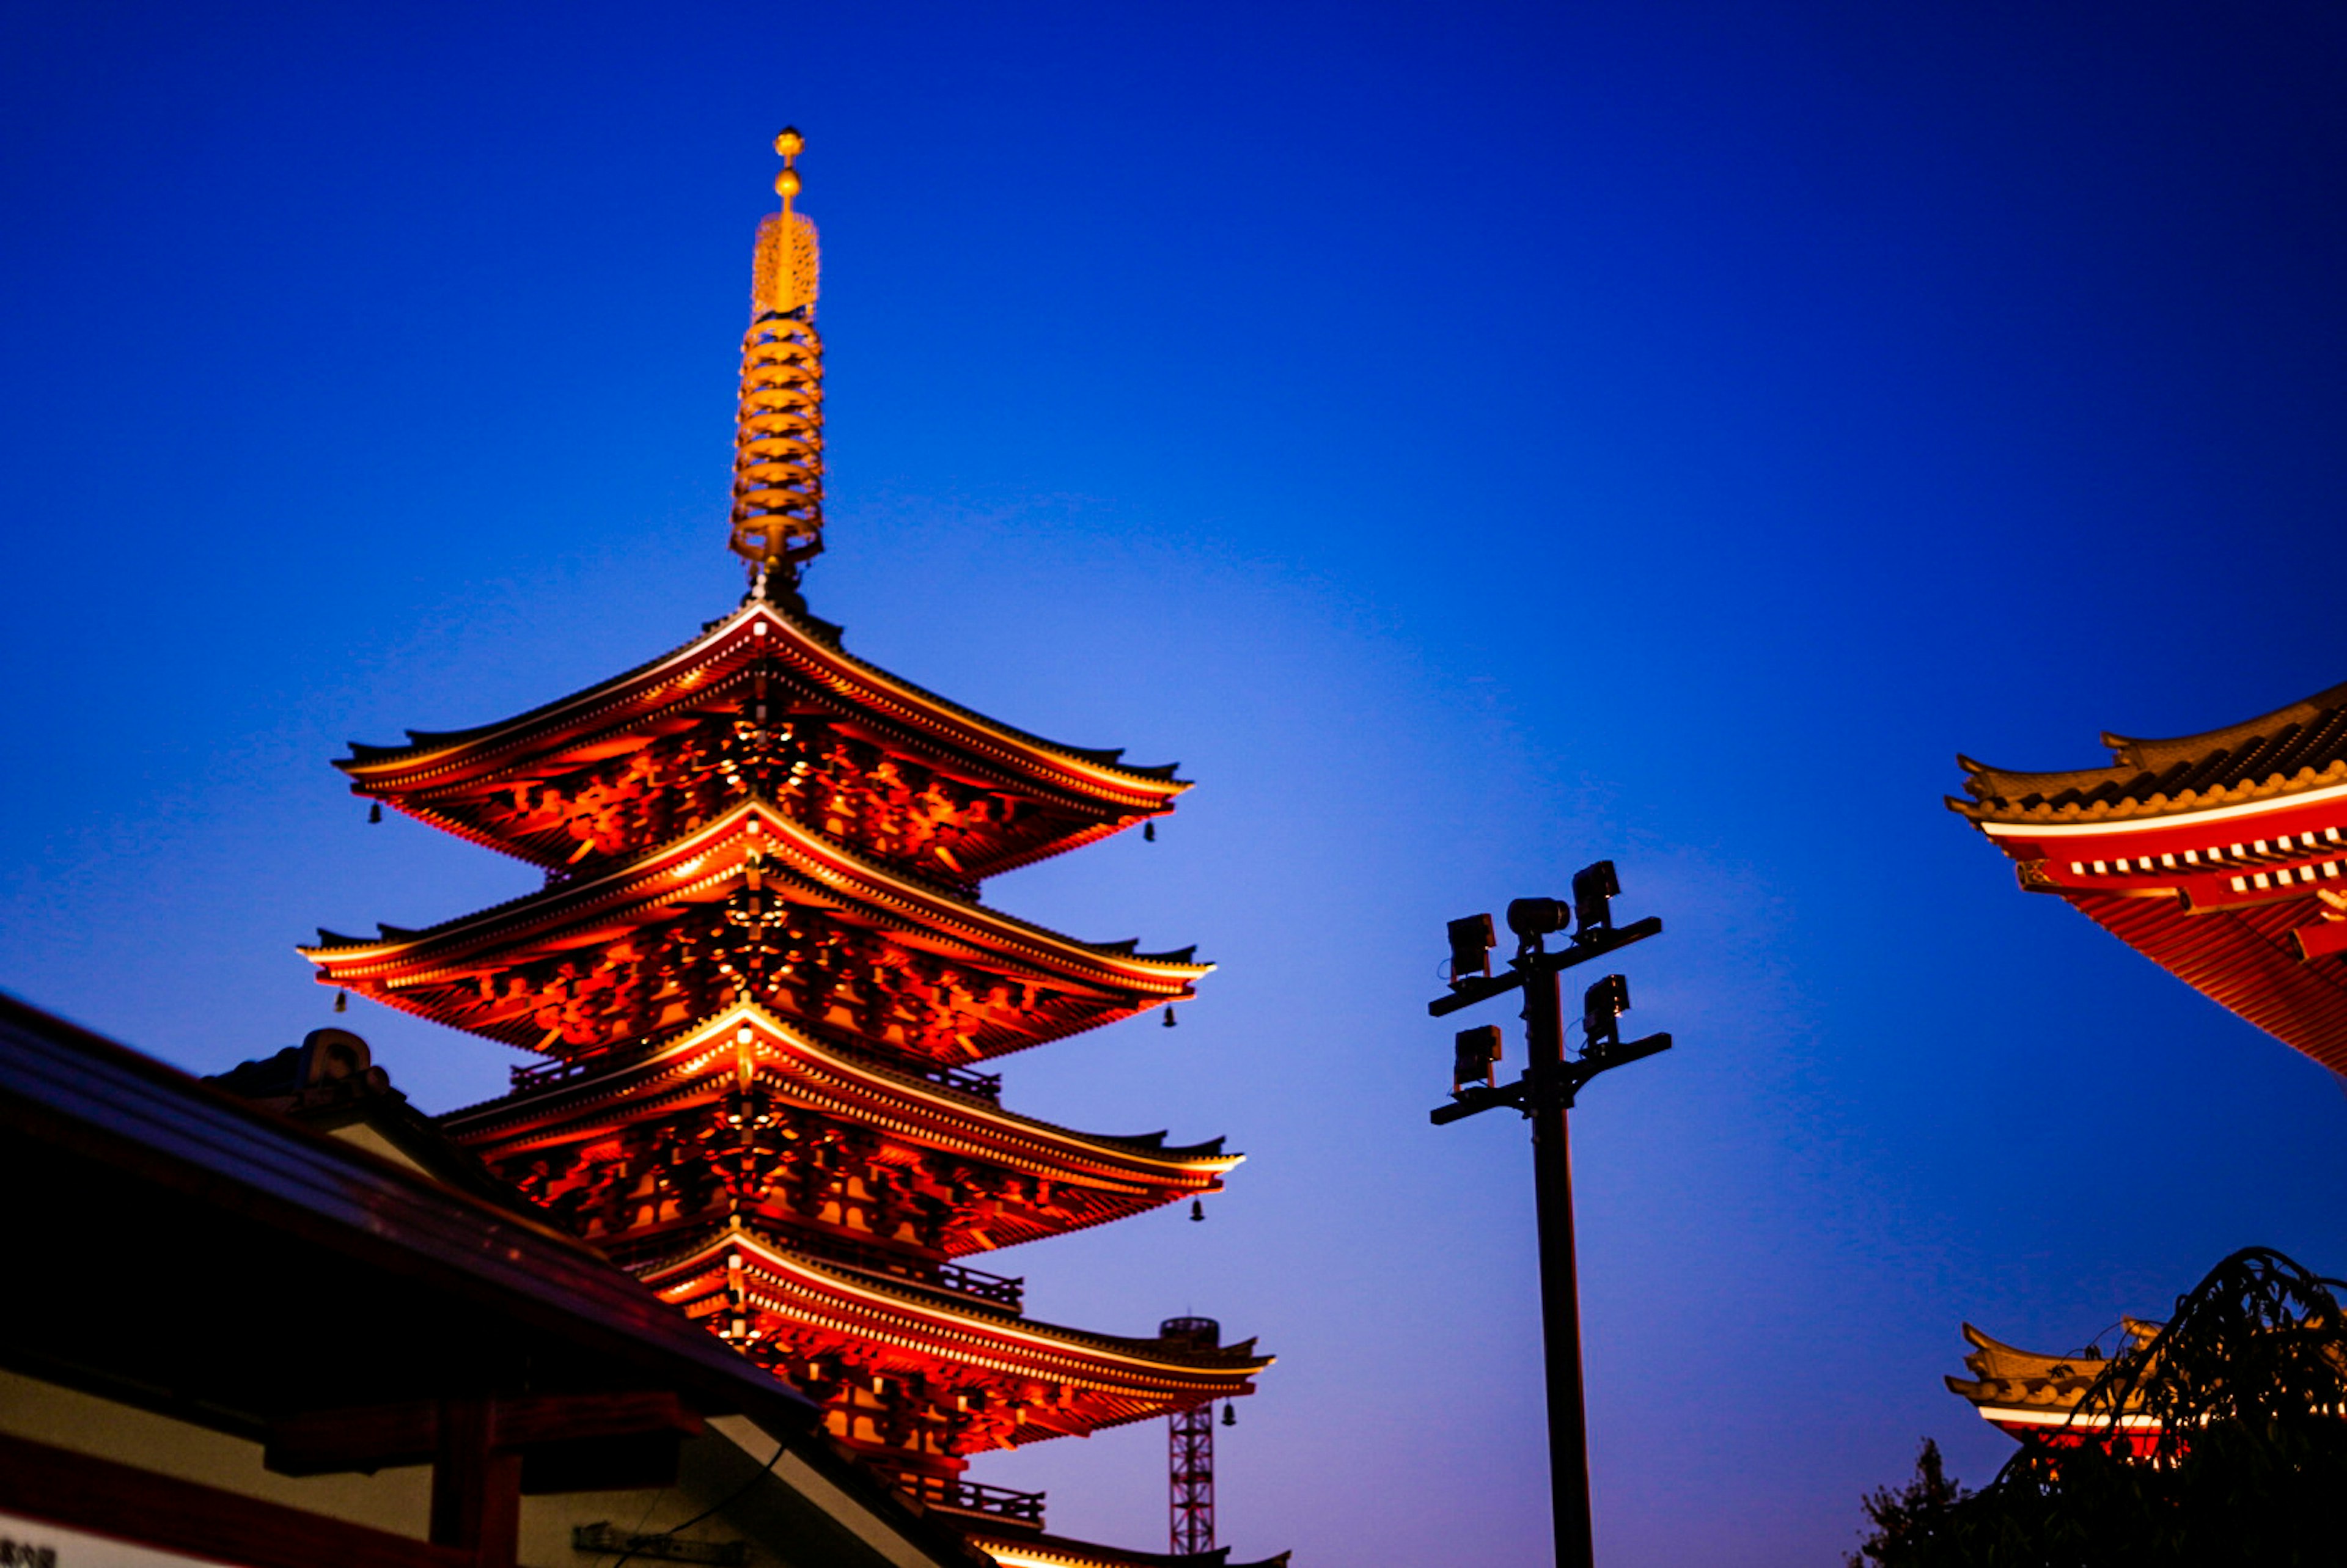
{"x": 766, "y": 702}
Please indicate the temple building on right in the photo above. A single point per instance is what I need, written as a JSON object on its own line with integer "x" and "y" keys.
{"x": 2222, "y": 858}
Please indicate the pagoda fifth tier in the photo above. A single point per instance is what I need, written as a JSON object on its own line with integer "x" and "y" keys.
{"x": 760, "y": 980}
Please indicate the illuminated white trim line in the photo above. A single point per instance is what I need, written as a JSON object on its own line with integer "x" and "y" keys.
{"x": 2169, "y": 820}
{"x": 2001, "y": 1414}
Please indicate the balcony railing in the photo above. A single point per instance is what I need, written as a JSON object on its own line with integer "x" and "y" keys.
{"x": 984, "y": 1085}
{"x": 970, "y": 1497}
{"x": 1003, "y": 1290}
{"x": 557, "y": 1069}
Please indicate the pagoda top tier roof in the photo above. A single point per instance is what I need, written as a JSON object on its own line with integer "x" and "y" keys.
{"x": 428, "y": 774}
{"x": 2291, "y": 751}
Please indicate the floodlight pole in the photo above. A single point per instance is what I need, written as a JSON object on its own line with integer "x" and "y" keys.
{"x": 1549, "y": 1110}
{"x": 1545, "y": 1094}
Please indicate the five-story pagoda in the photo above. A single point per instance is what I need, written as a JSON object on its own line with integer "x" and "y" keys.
{"x": 763, "y": 984}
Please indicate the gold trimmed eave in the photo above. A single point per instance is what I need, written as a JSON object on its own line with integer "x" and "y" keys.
{"x": 624, "y": 713}
{"x": 2025, "y": 1391}
{"x": 1103, "y": 1178}
{"x": 2289, "y": 751}
{"x": 1084, "y": 1381}
{"x": 1010, "y": 1550}
{"x": 704, "y": 866}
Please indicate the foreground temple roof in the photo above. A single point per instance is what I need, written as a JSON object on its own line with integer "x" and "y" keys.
{"x": 2221, "y": 856}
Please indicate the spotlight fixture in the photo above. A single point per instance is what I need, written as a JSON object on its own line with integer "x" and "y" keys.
{"x": 1475, "y": 1050}
{"x": 1602, "y": 1007}
{"x": 1533, "y": 918}
{"x": 1471, "y": 942}
{"x": 1594, "y": 889}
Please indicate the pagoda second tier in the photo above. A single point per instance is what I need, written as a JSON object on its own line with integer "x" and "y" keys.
{"x": 749, "y": 1118}
{"x": 920, "y": 1379}
{"x": 767, "y": 701}
{"x": 754, "y": 905}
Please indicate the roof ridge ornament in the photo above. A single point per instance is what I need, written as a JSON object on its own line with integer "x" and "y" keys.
{"x": 778, "y": 426}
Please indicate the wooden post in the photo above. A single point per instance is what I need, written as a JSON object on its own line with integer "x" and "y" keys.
{"x": 475, "y": 1486}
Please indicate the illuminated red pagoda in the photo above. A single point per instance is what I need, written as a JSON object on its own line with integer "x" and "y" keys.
{"x": 2222, "y": 857}
{"x": 764, "y": 987}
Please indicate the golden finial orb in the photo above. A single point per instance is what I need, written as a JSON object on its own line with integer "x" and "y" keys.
{"x": 786, "y": 184}
{"x": 790, "y": 143}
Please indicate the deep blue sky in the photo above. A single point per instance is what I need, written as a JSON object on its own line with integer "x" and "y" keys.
{"x": 1472, "y": 440}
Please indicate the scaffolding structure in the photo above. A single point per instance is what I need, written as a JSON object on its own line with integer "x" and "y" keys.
{"x": 1190, "y": 1449}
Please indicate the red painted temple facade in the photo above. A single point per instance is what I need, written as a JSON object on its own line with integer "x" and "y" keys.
{"x": 763, "y": 990}
{"x": 2222, "y": 857}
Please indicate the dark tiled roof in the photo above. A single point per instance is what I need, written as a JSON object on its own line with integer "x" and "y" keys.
{"x": 2299, "y": 747}
{"x": 63, "y": 1087}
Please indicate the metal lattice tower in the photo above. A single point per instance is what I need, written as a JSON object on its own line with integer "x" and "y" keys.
{"x": 1190, "y": 1450}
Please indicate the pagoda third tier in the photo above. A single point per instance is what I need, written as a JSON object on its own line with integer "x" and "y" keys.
{"x": 754, "y": 905}
{"x": 748, "y": 1119}
{"x": 764, "y": 701}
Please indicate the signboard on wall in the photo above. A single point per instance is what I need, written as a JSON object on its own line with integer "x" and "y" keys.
{"x": 31, "y": 1544}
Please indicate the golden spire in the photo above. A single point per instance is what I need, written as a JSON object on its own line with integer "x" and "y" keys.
{"x": 778, "y": 434}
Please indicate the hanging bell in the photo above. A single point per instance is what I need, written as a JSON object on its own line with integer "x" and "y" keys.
{"x": 342, "y": 1001}
{"x": 1149, "y": 831}
{"x": 1169, "y": 1015}
{"x": 375, "y": 813}
{"x": 1197, "y": 1208}
{"x": 1230, "y": 1415}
